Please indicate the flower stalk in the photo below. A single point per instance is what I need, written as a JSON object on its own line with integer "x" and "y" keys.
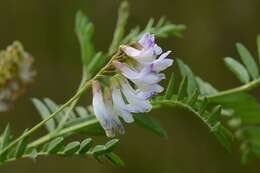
{"x": 84, "y": 87}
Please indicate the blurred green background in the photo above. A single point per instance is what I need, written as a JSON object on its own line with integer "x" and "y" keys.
{"x": 46, "y": 29}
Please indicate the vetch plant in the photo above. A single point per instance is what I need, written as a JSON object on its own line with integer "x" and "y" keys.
{"x": 143, "y": 69}
{"x": 125, "y": 83}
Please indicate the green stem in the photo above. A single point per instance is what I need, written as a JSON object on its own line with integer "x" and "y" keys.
{"x": 46, "y": 154}
{"x": 70, "y": 130}
{"x": 251, "y": 85}
{"x": 69, "y": 102}
{"x": 67, "y": 131}
{"x": 67, "y": 114}
{"x": 171, "y": 103}
{"x": 71, "y": 107}
{"x": 40, "y": 124}
{"x": 120, "y": 27}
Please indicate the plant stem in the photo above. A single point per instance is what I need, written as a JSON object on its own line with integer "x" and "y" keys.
{"x": 69, "y": 102}
{"x": 171, "y": 103}
{"x": 120, "y": 27}
{"x": 46, "y": 154}
{"x": 40, "y": 124}
{"x": 251, "y": 85}
{"x": 71, "y": 107}
{"x": 68, "y": 131}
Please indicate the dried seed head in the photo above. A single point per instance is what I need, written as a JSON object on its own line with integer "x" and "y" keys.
{"x": 15, "y": 74}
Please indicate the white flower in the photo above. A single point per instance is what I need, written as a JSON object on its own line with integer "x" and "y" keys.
{"x": 148, "y": 49}
{"x": 161, "y": 63}
{"x": 147, "y": 41}
{"x": 104, "y": 112}
{"x": 136, "y": 103}
{"x": 147, "y": 91}
{"x": 130, "y": 91}
{"x": 146, "y": 80}
{"x": 120, "y": 106}
{"x": 145, "y": 76}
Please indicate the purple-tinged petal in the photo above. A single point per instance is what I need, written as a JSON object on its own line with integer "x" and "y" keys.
{"x": 150, "y": 90}
{"x": 120, "y": 106}
{"x": 162, "y": 62}
{"x": 136, "y": 103}
{"x": 145, "y": 55}
{"x": 104, "y": 112}
{"x": 130, "y": 51}
{"x": 147, "y": 41}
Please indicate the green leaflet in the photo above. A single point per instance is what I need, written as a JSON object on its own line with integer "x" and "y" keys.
{"x": 194, "y": 97}
{"x": 6, "y": 137}
{"x": 150, "y": 124}
{"x": 223, "y": 135}
{"x": 111, "y": 145}
{"x": 53, "y": 107}
{"x": 238, "y": 69}
{"x": 96, "y": 63}
{"x": 107, "y": 151}
{"x": 258, "y": 47}
{"x": 171, "y": 29}
{"x": 44, "y": 112}
{"x": 182, "y": 89}
{"x": 162, "y": 29}
{"x": 5, "y": 140}
{"x": 84, "y": 30}
{"x": 171, "y": 88}
{"x": 71, "y": 148}
{"x": 149, "y": 25}
{"x": 205, "y": 87}
{"x": 120, "y": 27}
{"x": 85, "y": 146}
{"x": 203, "y": 106}
{"x": 232, "y": 100}
{"x": 99, "y": 150}
{"x": 82, "y": 112}
{"x": 195, "y": 82}
{"x": 186, "y": 71}
{"x": 248, "y": 60}
{"x": 21, "y": 147}
{"x": 55, "y": 145}
{"x": 115, "y": 159}
{"x": 215, "y": 115}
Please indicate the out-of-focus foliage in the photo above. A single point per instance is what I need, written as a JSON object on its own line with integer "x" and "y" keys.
{"x": 240, "y": 109}
{"x": 245, "y": 109}
{"x": 187, "y": 95}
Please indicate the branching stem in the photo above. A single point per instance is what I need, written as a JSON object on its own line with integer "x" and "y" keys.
{"x": 84, "y": 87}
{"x": 171, "y": 103}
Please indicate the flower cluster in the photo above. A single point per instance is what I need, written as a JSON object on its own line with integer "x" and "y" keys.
{"x": 15, "y": 73}
{"x": 130, "y": 91}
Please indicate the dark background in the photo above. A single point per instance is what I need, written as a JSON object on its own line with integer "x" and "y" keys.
{"x": 46, "y": 29}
